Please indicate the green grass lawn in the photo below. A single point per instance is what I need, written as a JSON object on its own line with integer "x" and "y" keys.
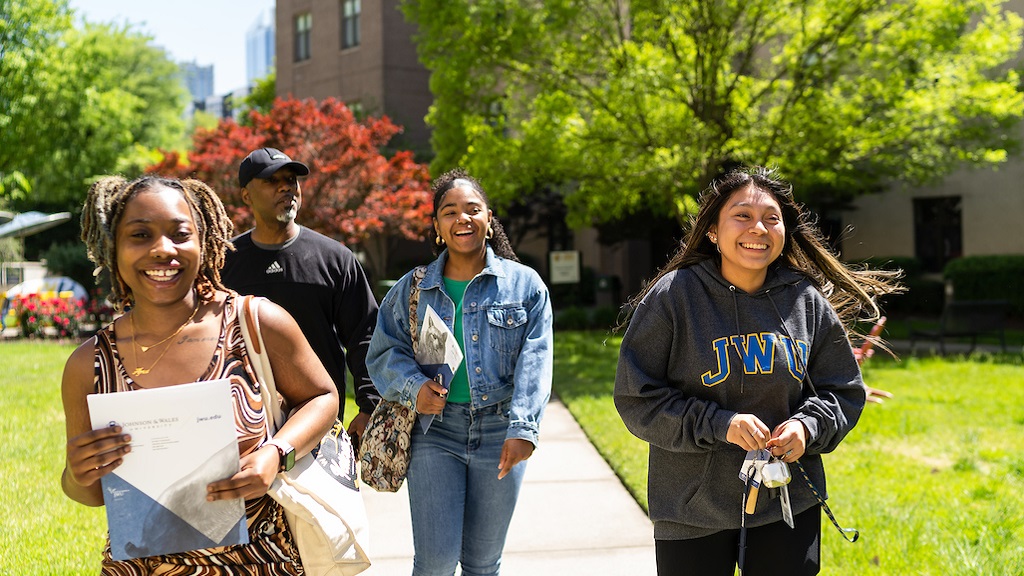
{"x": 43, "y": 532}
{"x": 933, "y": 478}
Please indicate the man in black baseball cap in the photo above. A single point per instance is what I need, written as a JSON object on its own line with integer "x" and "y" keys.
{"x": 315, "y": 278}
{"x": 264, "y": 162}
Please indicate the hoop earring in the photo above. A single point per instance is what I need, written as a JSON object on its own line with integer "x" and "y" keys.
{"x": 438, "y": 240}
{"x": 490, "y": 232}
{"x": 714, "y": 240}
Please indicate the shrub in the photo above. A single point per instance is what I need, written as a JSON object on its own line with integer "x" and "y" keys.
{"x": 28, "y": 311}
{"x": 572, "y": 318}
{"x": 605, "y": 318}
{"x": 988, "y": 278}
{"x": 71, "y": 260}
{"x": 924, "y": 295}
{"x": 97, "y": 310}
{"x": 35, "y": 313}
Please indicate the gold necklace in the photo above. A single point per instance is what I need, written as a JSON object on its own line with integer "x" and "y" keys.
{"x": 175, "y": 333}
{"x": 139, "y": 370}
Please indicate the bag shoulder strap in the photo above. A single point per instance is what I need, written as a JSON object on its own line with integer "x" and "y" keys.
{"x": 414, "y": 301}
{"x": 250, "y": 325}
{"x": 249, "y": 319}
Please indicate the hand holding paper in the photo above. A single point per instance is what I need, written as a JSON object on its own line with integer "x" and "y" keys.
{"x": 96, "y": 453}
{"x": 432, "y": 397}
{"x": 439, "y": 356}
{"x": 183, "y": 439}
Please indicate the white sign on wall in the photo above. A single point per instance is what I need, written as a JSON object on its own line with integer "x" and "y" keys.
{"x": 564, "y": 266}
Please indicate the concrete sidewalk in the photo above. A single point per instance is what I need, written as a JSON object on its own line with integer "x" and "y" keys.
{"x": 573, "y": 518}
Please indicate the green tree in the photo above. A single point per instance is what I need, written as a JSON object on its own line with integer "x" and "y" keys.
{"x": 29, "y": 35}
{"x": 261, "y": 98}
{"x": 630, "y": 107}
{"x": 80, "y": 102}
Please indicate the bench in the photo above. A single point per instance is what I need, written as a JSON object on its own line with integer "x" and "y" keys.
{"x": 966, "y": 319}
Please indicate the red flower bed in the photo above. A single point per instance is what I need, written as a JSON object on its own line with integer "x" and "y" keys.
{"x": 35, "y": 312}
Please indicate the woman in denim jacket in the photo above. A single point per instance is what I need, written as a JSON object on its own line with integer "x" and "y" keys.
{"x": 466, "y": 469}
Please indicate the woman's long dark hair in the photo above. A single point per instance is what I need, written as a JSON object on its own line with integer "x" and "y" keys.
{"x": 851, "y": 290}
{"x": 459, "y": 177}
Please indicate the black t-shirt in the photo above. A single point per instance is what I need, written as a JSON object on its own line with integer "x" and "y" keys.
{"x": 321, "y": 284}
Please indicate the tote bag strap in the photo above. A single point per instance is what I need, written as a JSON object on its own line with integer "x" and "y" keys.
{"x": 249, "y": 320}
{"x": 414, "y": 301}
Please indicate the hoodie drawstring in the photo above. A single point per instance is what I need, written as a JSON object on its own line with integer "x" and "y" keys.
{"x": 736, "y": 317}
{"x": 796, "y": 351}
{"x": 846, "y": 532}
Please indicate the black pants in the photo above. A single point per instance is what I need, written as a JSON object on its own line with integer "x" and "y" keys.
{"x": 775, "y": 549}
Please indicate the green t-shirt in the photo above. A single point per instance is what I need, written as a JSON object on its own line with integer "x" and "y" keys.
{"x": 458, "y": 391}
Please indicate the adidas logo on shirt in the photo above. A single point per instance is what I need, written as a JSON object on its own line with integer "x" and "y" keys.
{"x": 275, "y": 268}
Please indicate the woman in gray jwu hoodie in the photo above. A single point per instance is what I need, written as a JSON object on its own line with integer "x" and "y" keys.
{"x": 734, "y": 346}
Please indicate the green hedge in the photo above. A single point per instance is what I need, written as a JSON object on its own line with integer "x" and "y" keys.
{"x": 71, "y": 260}
{"x": 603, "y": 318}
{"x": 924, "y": 296}
{"x": 998, "y": 277}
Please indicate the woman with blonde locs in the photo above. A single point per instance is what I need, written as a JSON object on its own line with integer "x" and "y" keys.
{"x": 466, "y": 469}
{"x": 739, "y": 344}
{"x": 163, "y": 241}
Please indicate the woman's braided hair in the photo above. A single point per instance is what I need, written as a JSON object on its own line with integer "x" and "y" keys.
{"x": 498, "y": 241}
{"x": 104, "y": 207}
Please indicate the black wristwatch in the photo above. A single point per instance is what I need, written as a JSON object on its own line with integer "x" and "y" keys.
{"x": 286, "y": 452}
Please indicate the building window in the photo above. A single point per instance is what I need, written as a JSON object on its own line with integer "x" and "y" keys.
{"x": 303, "y": 26}
{"x": 350, "y": 10}
{"x": 938, "y": 234}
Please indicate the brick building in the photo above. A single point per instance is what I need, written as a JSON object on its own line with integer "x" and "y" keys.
{"x": 359, "y": 52}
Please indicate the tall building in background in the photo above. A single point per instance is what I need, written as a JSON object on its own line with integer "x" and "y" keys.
{"x": 198, "y": 80}
{"x": 259, "y": 47}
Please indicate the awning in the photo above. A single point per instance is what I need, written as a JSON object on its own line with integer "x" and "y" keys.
{"x": 28, "y": 223}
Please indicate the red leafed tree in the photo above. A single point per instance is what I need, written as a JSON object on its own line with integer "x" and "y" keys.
{"x": 353, "y": 192}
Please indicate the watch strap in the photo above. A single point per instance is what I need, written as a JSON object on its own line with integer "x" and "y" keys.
{"x": 286, "y": 452}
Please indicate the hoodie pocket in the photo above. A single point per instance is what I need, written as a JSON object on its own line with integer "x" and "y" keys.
{"x": 674, "y": 481}
{"x": 701, "y": 490}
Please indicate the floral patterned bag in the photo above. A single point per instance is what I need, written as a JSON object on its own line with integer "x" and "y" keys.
{"x": 384, "y": 447}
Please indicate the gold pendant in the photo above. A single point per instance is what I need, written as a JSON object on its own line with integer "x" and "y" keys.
{"x": 140, "y": 371}
{"x": 145, "y": 348}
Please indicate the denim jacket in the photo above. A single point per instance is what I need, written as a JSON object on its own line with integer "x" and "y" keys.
{"x": 506, "y": 323}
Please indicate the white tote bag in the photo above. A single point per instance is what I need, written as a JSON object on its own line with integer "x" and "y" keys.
{"x": 320, "y": 494}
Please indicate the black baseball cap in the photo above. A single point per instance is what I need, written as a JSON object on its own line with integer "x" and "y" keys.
{"x": 264, "y": 162}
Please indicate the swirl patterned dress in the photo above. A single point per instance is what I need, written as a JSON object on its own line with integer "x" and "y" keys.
{"x": 271, "y": 550}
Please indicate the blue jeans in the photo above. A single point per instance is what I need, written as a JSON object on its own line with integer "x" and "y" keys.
{"x": 460, "y": 510}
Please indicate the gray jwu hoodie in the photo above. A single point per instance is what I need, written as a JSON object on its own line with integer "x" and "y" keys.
{"x": 698, "y": 351}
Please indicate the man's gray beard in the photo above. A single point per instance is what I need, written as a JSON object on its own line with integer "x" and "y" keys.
{"x": 287, "y": 217}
